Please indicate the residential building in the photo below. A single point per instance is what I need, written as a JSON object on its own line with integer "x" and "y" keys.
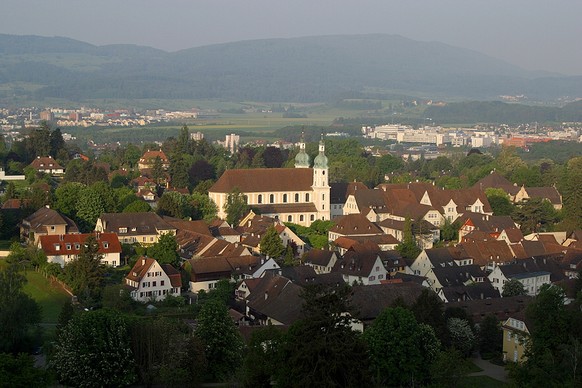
{"x": 47, "y": 165}
{"x": 150, "y": 281}
{"x": 515, "y": 336}
{"x": 143, "y": 228}
{"x": 45, "y": 221}
{"x": 64, "y": 248}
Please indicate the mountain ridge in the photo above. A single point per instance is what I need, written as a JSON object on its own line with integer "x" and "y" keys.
{"x": 304, "y": 69}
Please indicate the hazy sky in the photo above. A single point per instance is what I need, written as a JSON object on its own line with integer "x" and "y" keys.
{"x": 534, "y": 34}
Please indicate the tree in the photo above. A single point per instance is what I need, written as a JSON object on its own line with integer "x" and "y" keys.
{"x": 235, "y": 207}
{"x": 513, "y": 287}
{"x": 200, "y": 171}
{"x": 535, "y": 215}
{"x": 84, "y": 274}
{"x": 448, "y": 368}
{"x": 321, "y": 349}
{"x": 67, "y": 197}
{"x": 490, "y": 336}
{"x": 429, "y": 309}
{"x": 203, "y": 208}
{"x": 174, "y": 204}
{"x": 165, "y": 251}
{"x": 262, "y": 357}
{"x": 499, "y": 201}
{"x": 271, "y": 244}
{"x": 408, "y": 248}
{"x": 89, "y": 207}
{"x": 57, "y": 143}
{"x": 93, "y": 350}
{"x": 138, "y": 206}
{"x": 179, "y": 172}
{"x": 157, "y": 170}
{"x": 461, "y": 335}
{"x": 19, "y": 313}
{"x": 19, "y": 371}
{"x": 222, "y": 343}
{"x": 396, "y": 342}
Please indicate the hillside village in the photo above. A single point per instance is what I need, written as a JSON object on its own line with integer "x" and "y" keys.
{"x": 271, "y": 234}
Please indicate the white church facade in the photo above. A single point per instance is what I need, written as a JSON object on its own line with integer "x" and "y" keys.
{"x": 300, "y": 195}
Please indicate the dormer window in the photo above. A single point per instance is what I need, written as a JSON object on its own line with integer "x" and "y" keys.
{"x": 77, "y": 246}
{"x": 68, "y": 247}
{"x": 57, "y": 247}
{"x": 122, "y": 230}
{"x": 105, "y": 245}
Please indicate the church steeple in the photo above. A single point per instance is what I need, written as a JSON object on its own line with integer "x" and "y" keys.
{"x": 321, "y": 160}
{"x": 302, "y": 159}
{"x": 321, "y": 189}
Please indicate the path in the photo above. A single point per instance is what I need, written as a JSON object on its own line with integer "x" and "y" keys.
{"x": 494, "y": 371}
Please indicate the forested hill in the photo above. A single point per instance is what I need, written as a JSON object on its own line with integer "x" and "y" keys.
{"x": 298, "y": 69}
{"x": 499, "y": 112}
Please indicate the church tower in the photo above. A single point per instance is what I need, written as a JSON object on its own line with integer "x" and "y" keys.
{"x": 302, "y": 159}
{"x": 321, "y": 188}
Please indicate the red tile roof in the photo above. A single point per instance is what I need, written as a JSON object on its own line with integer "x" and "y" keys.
{"x": 70, "y": 244}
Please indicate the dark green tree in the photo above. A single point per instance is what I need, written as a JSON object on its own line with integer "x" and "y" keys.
{"x": 408, "y": 248}
{"x": 138, "y": 206}
{"x": 165, "y": 251}
{"x": 461, "y": 335}
{"x": 449, "y": 368}
{"x": 57, "y": 143}
{"x": 19, "y": 313}
{"x": 499, "y": 201}
{"x": 94, "y": 350}
{"x": 174, "y": 204}
{"x": 271, "y": 244}
{"x": 412, "y": 349}
{"x": 490, "y": 337}
{"x": 429, "y": 309}
{"x": 66, "y": 198}
{"x": 84, "y": 274}
{"x": 222, "y": 342}
{"x": 321, "y": 349}
{"x": 236, "y": 206}
{"x": 513, "y": 287}
{"x": 262, "y": 357}
{"x": 179, "y": 172}
{"x": 19, "y": 371}
{"x": 535, "y": 215}
{"x": 203, "y": 208}
{"x": 157, "y": 170}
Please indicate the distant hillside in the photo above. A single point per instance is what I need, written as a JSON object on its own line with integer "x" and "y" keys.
{"x": 299, "y": 69}
{"x": 499, "y": 112}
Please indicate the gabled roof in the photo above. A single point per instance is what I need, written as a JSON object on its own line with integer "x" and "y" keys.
{"x": 319, "y": 257}
{"x": 44, "y": 162}
{"x": 445, "y": 256}
{"x": 486, "y": 252}
{"x": 173, "y": 274}
{"x": 550, "y": 193}
{"x": 278, "y": 298}
{"x": 340, "y": 191}
{"x": 258, "y": 180}
{"x": 150, "y": 156}
{"x": 502, "y": 308}
{"x": 371, "y": 300}
{"x": 494, "y": 180}
{"x": 355, "y": 224}
{"x": 488, "y": 223}
{"x": 483, "y": 290}
{"x": 70, "y": 244}
{"x": 198, "y": 226}
{"x": 457, "y": 275}
{"x": 356, "y": 263}
{"x": 144, "y": 223}
{"x": 143, "y": 265}
{"x": 44, "y": 217}
{"x": 533, "y": 266}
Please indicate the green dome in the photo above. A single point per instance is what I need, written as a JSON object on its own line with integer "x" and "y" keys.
{"x": 302, "y": 159}
{"x": 320, "y": 161}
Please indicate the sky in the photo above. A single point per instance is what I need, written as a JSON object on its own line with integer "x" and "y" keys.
{"x": 533, "y": 34}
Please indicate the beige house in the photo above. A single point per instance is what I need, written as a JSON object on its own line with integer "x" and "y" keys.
{"x": 515, "y": 336}
{"x": 143, "y": 228}
{"x": 45, "y": 221}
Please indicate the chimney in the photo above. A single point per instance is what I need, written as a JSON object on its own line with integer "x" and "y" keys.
{"x": 266, "y": 294}
{"x": 143, "y": 260}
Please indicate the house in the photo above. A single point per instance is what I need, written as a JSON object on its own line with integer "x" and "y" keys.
{"x": 454, "y": 275}
{"x": 353, "y": 225}
{"x": 549, "y": 194}
{"x": 439, "y": 257}
{"x": 275, "y": 300}
{"x": 475, "y": 291}
{"x": 143, "y": 228}
{"x": 497, "y": 181}
{"x": 339, "y": 193}
{"x": 361, "y": 268}
{"x": 515, "y": 336}
{"x": 253, "y": 227}
{"x": 150, "y": 281}
{"x": 147, "y": 161}
{"x": 493, "y": 225}
{"x": 45, "y": 221}
{"x": 321, "y": 260}
{"x": 501, "y": 308}
{"x": 300, "y": 195}
{"x": 47, "y": 165}
{"x": 63, "y": 248}
{"x": 533, "y": 273}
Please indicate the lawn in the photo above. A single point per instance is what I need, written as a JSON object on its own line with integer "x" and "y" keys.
{"x": 50, "y": 298}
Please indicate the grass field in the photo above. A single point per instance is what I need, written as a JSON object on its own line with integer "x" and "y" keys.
{"x": 50, "y": 298}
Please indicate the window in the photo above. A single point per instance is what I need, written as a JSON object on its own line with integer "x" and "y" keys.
{"x": 153, "y": 284}
{"x": 372, "y": 278}
{"x": 289, "y": 218}
{"x": 105, "y": 245}
{"x": 284, "y": 198}
{"x": 307, "y": 197}
{"x": 77, "y": 246}
{"x": 68, "y": 246}
{"x": 296, "y": 197}
{"x": 323, "y": 197}
{"x": 301, "y": 217}
{"x": 162, "y": 283}
{"x": 272, "y": 198}
{"x": 312, "y": 218}
{"x": 122, "y": 230}
{"x": 260, "y": 198}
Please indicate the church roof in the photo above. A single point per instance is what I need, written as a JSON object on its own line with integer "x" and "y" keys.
{"x": 259, "y": 180}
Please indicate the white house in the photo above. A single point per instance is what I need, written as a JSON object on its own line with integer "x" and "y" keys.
{"x": 150, "y": 281}
{"x": 64, "y": 248}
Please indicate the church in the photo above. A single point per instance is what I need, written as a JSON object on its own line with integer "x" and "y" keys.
{"x": 300, "y": 195}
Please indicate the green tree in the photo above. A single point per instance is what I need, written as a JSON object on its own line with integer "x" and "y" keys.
{"x": 222, "y": 342}
{"x": 19, "y": 371}
{"x": 19, "y": 313}
{"x": 94, "y": 350}
{"x": 571, "y": 190}
{"x": 138, "y": 206}
{"x": 513, "y": 287}
{"x": 499, "y": 201}
{"x": 183, "y": 142}
{"x": 262, "y": 357}
{"x": 450, "y": 231}
{"x": 321, "y": 349}
{"x": 271, "y": 244}
{"x": 66, "y": 198}
{"x": 535, "y": 215}
{"x": 408, "y": 248}
{"x": 203, "y": 207}
{"x": 179, "y": 172}
{"x": 157, "y": 170}
{"x": 449, "y": 368}
{"x": 396, "y": 342}
{"x": 461, "y": 335}
{"x": 57, "y": 143}
{"x": 174, "y": 204}
{"x": 429, "y": 309}
{"x": 165, "y": 251}
{"x": 235, "y": 207}
{"x": 84, "y": 274}
{"x": 490, "y": 337}
{"x": 90, "y": 206}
